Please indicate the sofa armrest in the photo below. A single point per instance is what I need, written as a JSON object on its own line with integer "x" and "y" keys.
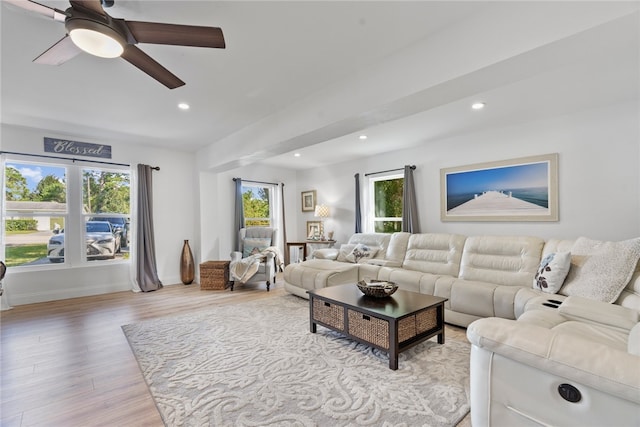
{"x": 326, "y": 253}
{"x": 573, "y": 357}
{"x": 236, "y": 256}
{"x": 598, "y": 312}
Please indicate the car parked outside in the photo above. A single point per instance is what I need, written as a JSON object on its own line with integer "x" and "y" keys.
{"x": 102, "y": 242}
{"x": 120, "y": 225}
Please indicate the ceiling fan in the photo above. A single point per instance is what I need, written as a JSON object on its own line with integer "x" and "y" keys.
{"x": 91, "y": 29}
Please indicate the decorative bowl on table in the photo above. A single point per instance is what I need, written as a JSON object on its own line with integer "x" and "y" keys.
{"x": 377, "y": 288}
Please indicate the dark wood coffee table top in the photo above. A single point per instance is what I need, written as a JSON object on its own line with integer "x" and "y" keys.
{"x": 400, "y": 304}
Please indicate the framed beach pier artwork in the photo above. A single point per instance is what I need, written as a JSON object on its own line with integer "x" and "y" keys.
{"x": 524, "y": 189}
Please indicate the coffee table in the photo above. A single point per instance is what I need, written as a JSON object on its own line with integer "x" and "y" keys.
{"x": 392, "y": 324}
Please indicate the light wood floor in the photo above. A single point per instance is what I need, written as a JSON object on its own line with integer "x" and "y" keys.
{"x": 67, "y": 363}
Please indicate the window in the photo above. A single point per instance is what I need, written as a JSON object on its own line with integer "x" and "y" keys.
{"x": 257, "y": 202}
{"x": 386, "y": 203}
{"x": 105, "y": 200}
{"x": 35, "y": 208}
{"x": 44, "y": 223}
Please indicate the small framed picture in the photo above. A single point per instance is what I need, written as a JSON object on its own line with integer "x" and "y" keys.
{"x": 309, "y": 201}
{"x": 313, "y": 230}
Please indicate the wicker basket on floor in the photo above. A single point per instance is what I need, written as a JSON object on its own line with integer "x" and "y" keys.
{"x": 214, "y": 275}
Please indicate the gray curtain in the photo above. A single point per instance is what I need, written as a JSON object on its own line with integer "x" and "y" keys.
{"x": 358, "y": 212}
{"x": 283, "y": 222}
{"x": 283, "y": 226}
{"x": 239, "y": 215}
{"x": 409, "y": 205}
{"x": 146, "y": 267}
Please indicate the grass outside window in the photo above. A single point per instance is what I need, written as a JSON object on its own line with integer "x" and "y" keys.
{"x": 23, "y": 254}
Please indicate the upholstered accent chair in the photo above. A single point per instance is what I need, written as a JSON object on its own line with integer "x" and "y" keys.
{"x": 254, "y": 240}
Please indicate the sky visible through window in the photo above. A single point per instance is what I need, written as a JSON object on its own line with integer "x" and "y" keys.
{"x": 34, "y": 173}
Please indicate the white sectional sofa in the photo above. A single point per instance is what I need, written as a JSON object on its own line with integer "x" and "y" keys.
{"x": 529, "y": 348}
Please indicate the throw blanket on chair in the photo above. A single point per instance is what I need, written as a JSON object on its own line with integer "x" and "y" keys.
{"x": 244, "y": 269}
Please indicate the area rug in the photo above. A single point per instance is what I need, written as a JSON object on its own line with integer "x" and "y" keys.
{"x": 257, "y": 364}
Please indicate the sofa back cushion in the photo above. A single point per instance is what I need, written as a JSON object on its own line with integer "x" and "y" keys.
{"x": 434, "y": 253}
{"x": 503, "y": 260}
{"x": 373, "y": 240}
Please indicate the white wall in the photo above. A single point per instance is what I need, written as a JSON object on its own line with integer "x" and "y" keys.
{"x": 176, "y": 213}
{"x": 599, "y": 179}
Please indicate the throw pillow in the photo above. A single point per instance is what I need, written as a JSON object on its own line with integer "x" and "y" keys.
{"x": 360, "y": 252}
{"x": 344, "y": 251}
{"x": 601, "y": 270}
{"x": 552, "y": 271}
{"x": 254, "y": 245}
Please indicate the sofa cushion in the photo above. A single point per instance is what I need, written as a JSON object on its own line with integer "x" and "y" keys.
{"x": 600, "y": 270}
{"x": 434, "y": 253}
{"x": 599, "y": 313}
{"x": 552, "y": 271}
{"x": 630, "y": 295}
{"x": 320, "y": 273}
{"x": 502, "y": 260}
{"x": 397, "y": 248}
{"x": 633, "y": 345}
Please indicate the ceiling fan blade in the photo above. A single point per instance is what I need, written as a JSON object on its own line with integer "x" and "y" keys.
{"x": 147, "y": 64}
{"x": 172, "y": 34}
{"x": 91, "y": 5}
{"x": 59, "y": 53}
{"x": 32, "y": 6}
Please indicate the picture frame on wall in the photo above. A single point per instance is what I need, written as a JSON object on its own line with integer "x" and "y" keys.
{"x": 522, "y": 189}
{"x": 313, "y": 229}
{"x": 309, "y": 201}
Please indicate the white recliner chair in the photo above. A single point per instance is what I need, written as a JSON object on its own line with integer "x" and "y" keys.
{"x": 253, "y": 238}
{"x": 574, "y": 365}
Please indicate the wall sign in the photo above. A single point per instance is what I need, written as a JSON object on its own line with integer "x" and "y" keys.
{"x": 62, "y": 146}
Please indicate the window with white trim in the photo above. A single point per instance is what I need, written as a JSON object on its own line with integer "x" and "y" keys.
{"x": 64, "y": 214}
{"x": 257, "y": 201}
{"x": 385, "y": 203}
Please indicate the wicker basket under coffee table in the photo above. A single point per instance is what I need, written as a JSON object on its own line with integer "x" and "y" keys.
{"x": 392, "y": 324}
{"x": 214, "y": 275}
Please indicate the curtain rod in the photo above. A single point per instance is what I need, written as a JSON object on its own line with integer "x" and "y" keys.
{"x": 68, "y": 158}
{"x": 413, "y": 167}
{"x": 258, "y": 182}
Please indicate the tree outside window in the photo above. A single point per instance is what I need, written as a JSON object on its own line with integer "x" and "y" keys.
{"x": 257, "y": 206}
{"x": 387, "y": 203}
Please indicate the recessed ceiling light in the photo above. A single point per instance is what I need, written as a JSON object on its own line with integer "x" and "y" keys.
{"x": 296, "y": 155}
{"x": 183, "y": 106}
{"x": 363, "y": 137}
{"x": 478, "y": 105}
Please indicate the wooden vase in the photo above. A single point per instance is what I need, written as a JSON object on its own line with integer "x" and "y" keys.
{"x": 187, "y": 268}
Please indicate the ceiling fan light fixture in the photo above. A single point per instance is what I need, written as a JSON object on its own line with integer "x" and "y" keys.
{"x": 96, "y": 39}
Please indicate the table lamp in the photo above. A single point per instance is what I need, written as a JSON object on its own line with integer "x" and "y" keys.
{"x": 322, "y": 211}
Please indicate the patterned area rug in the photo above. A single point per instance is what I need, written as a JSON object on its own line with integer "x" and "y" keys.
{"x": 257, "y": 364}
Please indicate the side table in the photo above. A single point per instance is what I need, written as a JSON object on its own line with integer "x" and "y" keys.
{"x": 287, "y": 254}
{"x": 214, "y": 275}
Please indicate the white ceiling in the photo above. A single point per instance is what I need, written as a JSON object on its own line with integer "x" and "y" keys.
{"x": 281, "y": 54}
